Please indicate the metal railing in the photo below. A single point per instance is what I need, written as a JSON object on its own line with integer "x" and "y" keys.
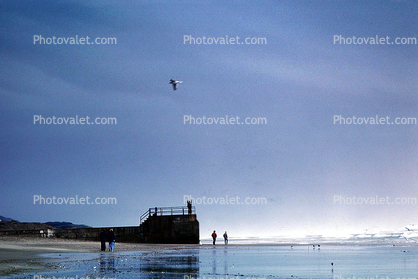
{"x": 166, "y": 211}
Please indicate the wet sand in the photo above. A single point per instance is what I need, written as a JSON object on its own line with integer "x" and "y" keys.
{"x": 22, "y": 257}
{"x": 20, "y": 254}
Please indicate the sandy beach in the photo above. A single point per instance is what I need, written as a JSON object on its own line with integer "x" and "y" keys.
{"x": 19, "y": 254}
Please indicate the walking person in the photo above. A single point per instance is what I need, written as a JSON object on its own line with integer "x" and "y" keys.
{"x": 111, "y": 239}
{"x": 214, "y": 235}
{"x": 103, "y": 238}
{"x": 225, "y": 238}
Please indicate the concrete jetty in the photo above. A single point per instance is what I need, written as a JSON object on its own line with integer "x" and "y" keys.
{"x": 176, "y": 225}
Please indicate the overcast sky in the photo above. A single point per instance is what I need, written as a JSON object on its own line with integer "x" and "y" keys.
{"x": 298, "y": 80}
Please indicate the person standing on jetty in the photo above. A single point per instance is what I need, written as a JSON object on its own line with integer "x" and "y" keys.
{"x": 189, "y": 207}
{"x": 111, "y": 239}
{"x": 214, "y": 235}
{"x": 103, "y": 238}
{"x": 225, "y": 238}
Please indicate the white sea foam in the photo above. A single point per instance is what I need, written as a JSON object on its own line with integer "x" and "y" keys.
{"x": 374, "y": 236}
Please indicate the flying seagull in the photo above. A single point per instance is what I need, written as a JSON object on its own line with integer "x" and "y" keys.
{"x": 174, "y": 83}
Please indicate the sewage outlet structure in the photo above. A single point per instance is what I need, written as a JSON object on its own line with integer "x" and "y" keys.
{"x": 175, "y": 225}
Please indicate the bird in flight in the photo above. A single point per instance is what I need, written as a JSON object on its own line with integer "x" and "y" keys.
{"x": 174, "y": 83}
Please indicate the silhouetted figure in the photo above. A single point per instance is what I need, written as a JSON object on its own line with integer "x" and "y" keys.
{"x": 214, "y": 235}
{"x": 111, "y": 239}
{"x": 189, "y": 207}
{"x": 103, "y": 238}
{"x": 225, "y": 238}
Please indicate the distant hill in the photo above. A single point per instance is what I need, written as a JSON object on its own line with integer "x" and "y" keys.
{"x": 66, "y": 225}
{"x": 9, "y": 224}
{"x": 5, "y": 219}
{"x": 18, "y": 226}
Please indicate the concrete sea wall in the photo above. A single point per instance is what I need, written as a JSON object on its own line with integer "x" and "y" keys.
{"x": 176, "y": 229}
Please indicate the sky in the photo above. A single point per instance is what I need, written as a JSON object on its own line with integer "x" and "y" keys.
{"x": 300, "y": 165}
